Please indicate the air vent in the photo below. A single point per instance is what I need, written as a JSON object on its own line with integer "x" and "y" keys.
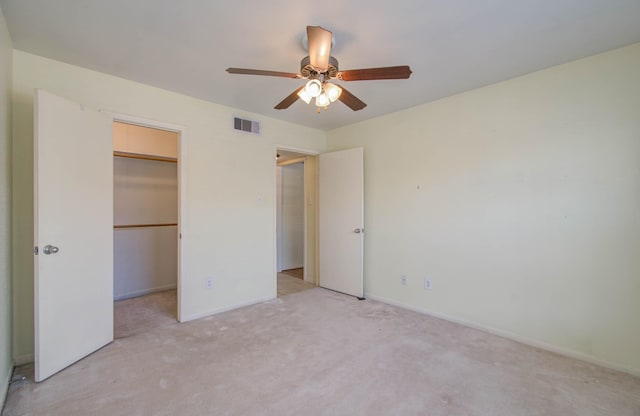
{"x": 247, "y": 126}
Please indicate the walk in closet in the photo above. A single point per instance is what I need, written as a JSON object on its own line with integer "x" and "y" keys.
{"x": 296, "y": 215}
{"x": 145, "y": 210}
{"x": 290, "y": 216}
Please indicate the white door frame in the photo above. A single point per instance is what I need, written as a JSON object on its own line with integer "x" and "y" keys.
{"x": 182, "y": 188}
{"x": 303, "y": 151}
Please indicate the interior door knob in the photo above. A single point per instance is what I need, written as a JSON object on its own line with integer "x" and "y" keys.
{"x": 49, "y": 249}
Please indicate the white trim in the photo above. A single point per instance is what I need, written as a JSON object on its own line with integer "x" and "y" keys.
{"x": 276, "y": 231}
{"x": 144, "y": 292}
{"x": 182, "y": 222}
{"x": 144, "y": 122}
{"x": 295, "y": 150}
{"x": 182, "y": 186}
{"x": 278, "y": 224}
{"x": 5, "y": 387}
{"x": 310, "y": 278}
{"x": 227, "y": 308}
{"x": 510, "y": 335}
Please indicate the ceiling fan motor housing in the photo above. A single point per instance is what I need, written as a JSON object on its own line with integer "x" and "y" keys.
{"x": 308, "y": 71}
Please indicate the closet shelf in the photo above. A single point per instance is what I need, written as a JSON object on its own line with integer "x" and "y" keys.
{"x": 119, "y": 227}
{"x": 146, "y": 157}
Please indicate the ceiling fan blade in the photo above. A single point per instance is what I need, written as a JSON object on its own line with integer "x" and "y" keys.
{"x": 351, "y": 100}
{"x": 388, "y": 72}
{"x": 291, "y": 98}
{"x": 319, "y": 47}
{"x": 244, "y": 71}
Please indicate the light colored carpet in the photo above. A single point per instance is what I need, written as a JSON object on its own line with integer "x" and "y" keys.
{"x": 317, "y": 352}
{"x": 144, "y": 313}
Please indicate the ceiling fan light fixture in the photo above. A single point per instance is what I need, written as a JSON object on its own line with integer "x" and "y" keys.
{"x": 322, "y": 100}
{"x": 319, "y": 67}
{"x": 313, "y": 88}
{"x": 332, "y": 91}
{"x": 304, "y": 96}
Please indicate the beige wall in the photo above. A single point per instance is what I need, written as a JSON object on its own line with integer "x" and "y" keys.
{"x": 224, "y": 225}
{"x": 520, "y": 201}
{"x": 291, "y": 216}
{"x": 6, "y": 364}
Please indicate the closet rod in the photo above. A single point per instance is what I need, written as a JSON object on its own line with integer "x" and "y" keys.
{"x": 143, "y": 225}
{"x": 300, "y": 159}
{"x": 146, "y": 157}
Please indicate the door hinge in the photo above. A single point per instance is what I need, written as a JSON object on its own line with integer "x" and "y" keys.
{"x": 35, "y": 250}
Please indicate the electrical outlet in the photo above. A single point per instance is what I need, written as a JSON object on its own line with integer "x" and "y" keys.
{"x": 209, "y": 283}
{"x": 403, "y": 280}
{"x": 427, "y": 284}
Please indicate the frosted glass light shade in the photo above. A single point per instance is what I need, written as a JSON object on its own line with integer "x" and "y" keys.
{"x": 313, "y": 88}
{"x": 332, "y": 91}
{"x": 304, "y": 96}
{"x": 322, "y": 100}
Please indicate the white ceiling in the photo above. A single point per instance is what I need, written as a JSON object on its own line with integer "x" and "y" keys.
{"x": 451, "y": 46}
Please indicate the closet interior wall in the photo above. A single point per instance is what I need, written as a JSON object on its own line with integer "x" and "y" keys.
{"x": 290, "y": 218}
{"x": 145, "y": 210}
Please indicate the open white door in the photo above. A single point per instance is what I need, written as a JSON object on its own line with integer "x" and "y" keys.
{"x": 73, "y": 231}
{"x": 341, "y": 221}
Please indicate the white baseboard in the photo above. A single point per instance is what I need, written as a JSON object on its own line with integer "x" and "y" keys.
{"x": 23, "y": 359}
{"x": 226, "y": 308}
{"x": 514, "y": 337}
{"x": 144, "y": 292}
{"x": 4, "y": 386}
{"x": 292, "y": 266}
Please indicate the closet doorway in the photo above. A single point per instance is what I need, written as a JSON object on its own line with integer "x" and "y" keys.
{"x": 295, "y": 221}
{"x": 146, "y": 236}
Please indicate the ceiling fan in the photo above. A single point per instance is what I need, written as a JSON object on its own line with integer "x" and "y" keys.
{"x": 319, "y": 67}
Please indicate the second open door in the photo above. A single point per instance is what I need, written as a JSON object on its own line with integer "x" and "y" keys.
{"x": 341, "y": 221}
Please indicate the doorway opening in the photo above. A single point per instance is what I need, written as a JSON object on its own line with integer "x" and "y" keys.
{"x": 296, "y": 221}
{"x": 146, "y": 236}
